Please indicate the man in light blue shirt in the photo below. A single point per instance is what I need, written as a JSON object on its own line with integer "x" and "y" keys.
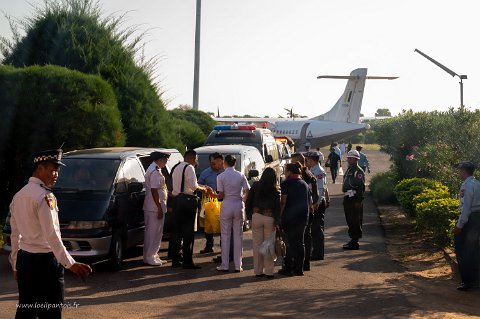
{"x": 209, "y": 177}
{"x": 363, "y": 161}
{"x": 467, "y": 229}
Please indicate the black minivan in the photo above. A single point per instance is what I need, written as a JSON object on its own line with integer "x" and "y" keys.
{"x": 100, "y": 194}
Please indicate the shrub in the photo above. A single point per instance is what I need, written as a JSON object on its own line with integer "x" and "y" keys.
{"x": 407, "y": 189}
{"x": 436, "y": 217}
{"x": 75, "y": 34}
{"x": 382, "y": 185}
{"x": 44, "y": 107}
{"x": 430, "y": 194}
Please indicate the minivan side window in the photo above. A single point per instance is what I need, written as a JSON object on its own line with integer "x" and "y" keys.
{"x": 130, "y": 172}
{"x": 272, "y": 149}
{"x": 257, "y": 161}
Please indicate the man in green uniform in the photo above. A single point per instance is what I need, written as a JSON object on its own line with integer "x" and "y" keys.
{"x": 354, "y": 189}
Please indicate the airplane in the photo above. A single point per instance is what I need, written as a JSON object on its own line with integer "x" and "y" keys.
{"x": 341, "y": 122}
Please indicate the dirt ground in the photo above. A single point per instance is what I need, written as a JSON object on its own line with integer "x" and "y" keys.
{"x": 381, "y": 280}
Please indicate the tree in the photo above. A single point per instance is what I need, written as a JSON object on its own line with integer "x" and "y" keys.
{"x": 73, "y": 34}
{"x": 44, "y": 107}
{"x": 195, "y": 118}
{"x": 383, "y": 112}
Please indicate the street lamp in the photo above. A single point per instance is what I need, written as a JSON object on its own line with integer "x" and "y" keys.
{"x": 196, "y": 68}
{"x": 453, "y": 74}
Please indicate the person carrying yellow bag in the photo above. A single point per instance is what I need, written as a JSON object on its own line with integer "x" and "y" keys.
{"x": 209, "y": 177}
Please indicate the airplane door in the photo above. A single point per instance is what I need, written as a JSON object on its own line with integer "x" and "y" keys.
{"x": 303, "y": 134}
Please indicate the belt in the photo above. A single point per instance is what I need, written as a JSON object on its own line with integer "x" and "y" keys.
{"x": 264, "y": 212}
{"x": 350, "y": 193}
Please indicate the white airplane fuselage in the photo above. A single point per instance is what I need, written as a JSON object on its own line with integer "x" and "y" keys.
{"x": 316, "y": 133}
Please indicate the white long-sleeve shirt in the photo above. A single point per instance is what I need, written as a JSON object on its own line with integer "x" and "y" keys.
{"x": 35, "y": 225}
{"x": 469, "y": 200}
{"x": 190, "y": 179}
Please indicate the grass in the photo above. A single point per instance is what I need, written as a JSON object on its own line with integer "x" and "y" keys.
{"x": 366, "y": 147}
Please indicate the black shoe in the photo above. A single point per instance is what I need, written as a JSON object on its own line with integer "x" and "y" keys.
{"x": 298, "y": 273}
{"x": 270, "y": 276}
{"x": 206, "y": 250}
{"x": 317, "y": 258}
{"x": 351, "y": 246}
{"x": 176, "y": 264}
{"x": 259, "y": 276}
{"x": 217, "y": 259}
{"x": 285, "y": 272}
{"x": 465, "y": 287}
{"x": 191, "y": 266}
{"x": 306, "y": 268}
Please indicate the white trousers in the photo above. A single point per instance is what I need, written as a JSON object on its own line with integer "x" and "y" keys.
{"x": 231, "y": 214}
{"x": 153, "y": 235}
{"x": 262, "y": 228}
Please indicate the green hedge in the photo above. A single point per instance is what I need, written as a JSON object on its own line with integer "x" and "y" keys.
{"x": 431, "y": 207}
{"x": 407, "y": 189}
{"x": 382, "y": 186}
{"x": 44, "y": 107}
{"x": 436, "y": 218}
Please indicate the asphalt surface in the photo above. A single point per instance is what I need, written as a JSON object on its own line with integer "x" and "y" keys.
{"x": 347, "y": 284}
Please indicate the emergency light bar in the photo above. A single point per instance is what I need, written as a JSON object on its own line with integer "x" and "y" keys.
{"x": 235, "y": 127}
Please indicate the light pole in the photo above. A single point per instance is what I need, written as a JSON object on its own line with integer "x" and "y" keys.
{"x": 196, "y": 68}
{"x": 453, "y": 74}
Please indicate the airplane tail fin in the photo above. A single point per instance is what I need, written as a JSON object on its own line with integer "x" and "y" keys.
{"x": 349, "y": 105}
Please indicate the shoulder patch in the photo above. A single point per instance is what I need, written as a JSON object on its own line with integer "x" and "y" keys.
{"x": 360, "y": 175}
{"x": 51, "y": 201}
{"x": 319, "y": 176}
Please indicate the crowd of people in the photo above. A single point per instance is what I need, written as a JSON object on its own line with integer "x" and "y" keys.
{"x": 293, "y": 210}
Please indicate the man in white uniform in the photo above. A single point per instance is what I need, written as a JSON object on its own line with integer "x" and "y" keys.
{"x": 38, "y": 255}
{"x": 232, "y": 186}
{"x": 154, "y": 208}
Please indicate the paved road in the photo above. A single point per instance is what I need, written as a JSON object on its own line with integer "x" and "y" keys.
{"x": 353, "y": 284}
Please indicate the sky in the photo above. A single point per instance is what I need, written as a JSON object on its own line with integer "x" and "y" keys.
{"x": 261, "y": 56}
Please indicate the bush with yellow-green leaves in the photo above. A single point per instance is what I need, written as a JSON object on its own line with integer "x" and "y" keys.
{"x": 431, "y": 207}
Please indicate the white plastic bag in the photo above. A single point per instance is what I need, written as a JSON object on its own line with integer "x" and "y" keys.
{"x": 340, "y": 171}
{"x": 267, "y": 248}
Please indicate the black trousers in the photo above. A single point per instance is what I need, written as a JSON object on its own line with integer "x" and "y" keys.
{"x": 184, "y": 213}
{"x": 467, "y": 248}
{"x": 318, "y": 232}
{"x": 307, "y": 240}
{"x": 40, "y": 286}
{"x": 353, "y": 207}
{"x": 295, "y": 247}
{"x": 334, "y": 172}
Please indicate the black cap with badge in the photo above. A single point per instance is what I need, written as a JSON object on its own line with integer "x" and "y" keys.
{"x": 52, "y": 156}
{"x": 156, "y": 155}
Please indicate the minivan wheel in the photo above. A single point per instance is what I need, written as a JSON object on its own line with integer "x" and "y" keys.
{"x": 116, "y": 251}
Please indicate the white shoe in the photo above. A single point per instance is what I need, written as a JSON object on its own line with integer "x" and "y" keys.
{"x": 163, "y": 262}
{"x": 152, "y": 262}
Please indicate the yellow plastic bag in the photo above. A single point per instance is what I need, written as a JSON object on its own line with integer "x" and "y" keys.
{"x": 201, "y": 215}
{"x": 212, "y": 216}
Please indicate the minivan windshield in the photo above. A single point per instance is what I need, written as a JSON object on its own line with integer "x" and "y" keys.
{"x": 87, "y": 174}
